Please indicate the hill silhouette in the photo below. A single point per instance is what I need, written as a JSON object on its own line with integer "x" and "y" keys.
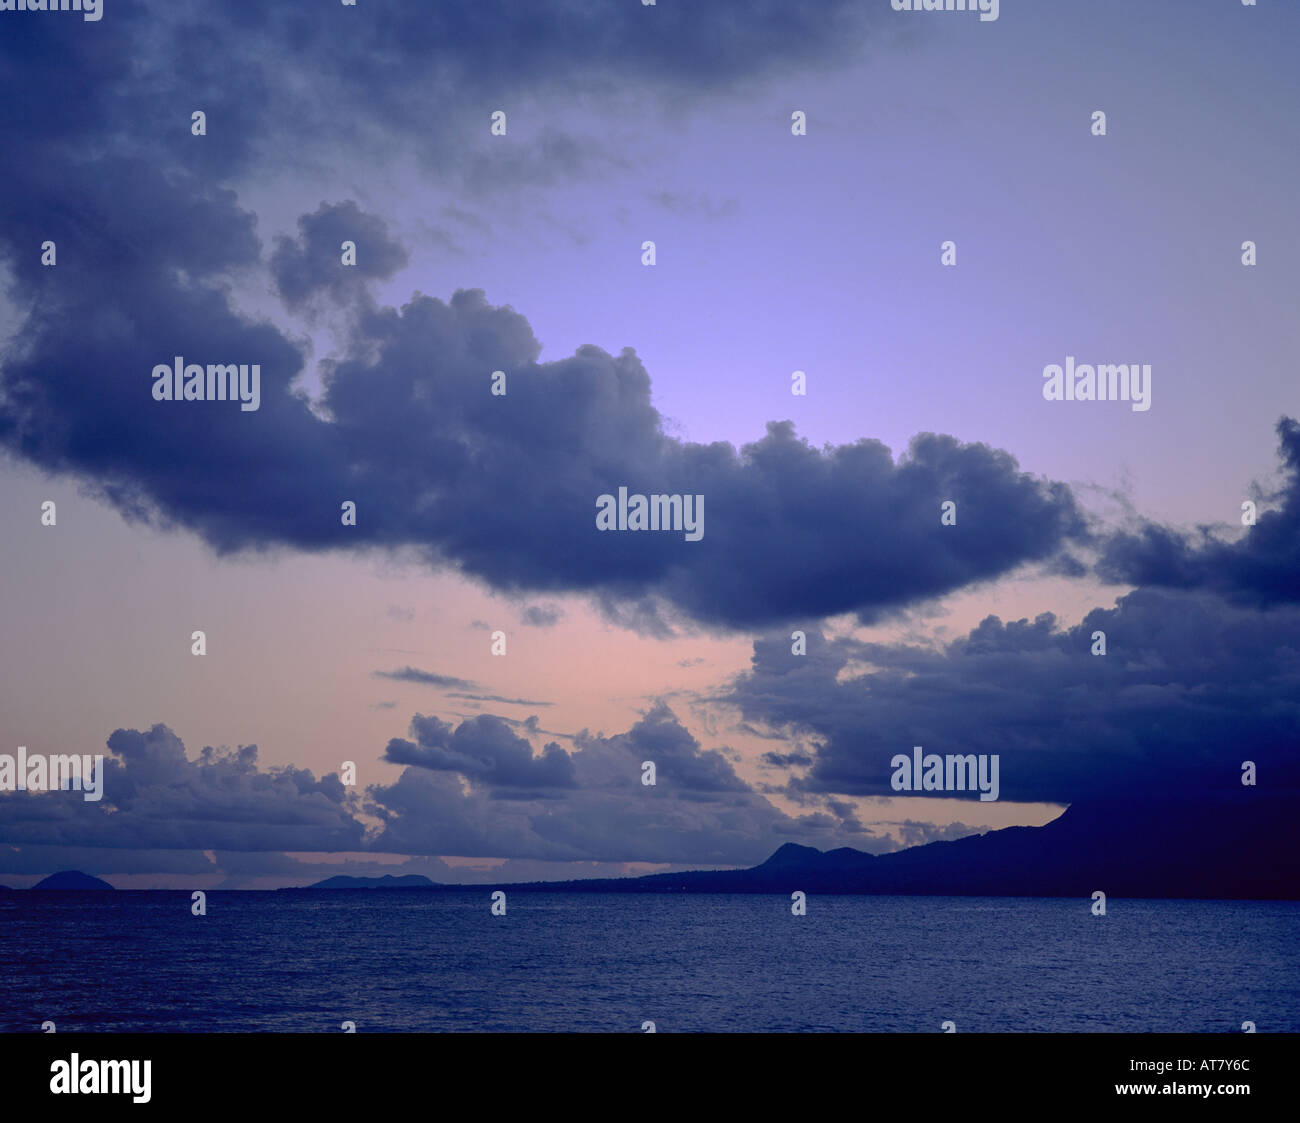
{"x": 1237, "y": 845}
{"x": 388, "y": 881}
{"x": 1233, "y": 845}
{"x": 72, "y": 880}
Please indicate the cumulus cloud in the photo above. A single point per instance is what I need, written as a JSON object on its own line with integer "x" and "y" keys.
{"x": 791, "y": 531}
{"x": 796, "y": 759}
{"x": 473, "y": 790}
{"x": 1190, "y": 686}
{"x": 312, "y": 263}
{"x": 155, "y": 797}
{"x": 1261, "y": 567}
{"x": 418, "y": 72}
{"x": 153, "y": 232}
{"x": 482, "y": 747}
{"x": 699, "y": 811}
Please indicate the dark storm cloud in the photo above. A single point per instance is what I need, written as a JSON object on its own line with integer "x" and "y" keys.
{"x": 142, "y": 258}
{"x": 677, "y": 755}
{"x": 155, "y": 797}
{"x": 433, "y": 460}
{"x": 482, "y": 747}
{"x": 387, "y": 75}
{"x": 475, "y": 790}
{"x": 790, "y": 530}
{"x": 502, "y": 488}
{"x": 1262, "y": 567}
{"x": 312, "y": 263}
{"x": 796, "y": 759}
{"x": 699, "y": 811}
{"x": 387, "y": 49}
{"x": 1189, "y": 688}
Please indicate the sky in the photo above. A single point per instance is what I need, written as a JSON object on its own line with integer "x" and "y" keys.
{"x": 775, "y": 252}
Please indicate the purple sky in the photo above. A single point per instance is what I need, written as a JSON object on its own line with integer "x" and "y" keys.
{"x": 775, "y": 253}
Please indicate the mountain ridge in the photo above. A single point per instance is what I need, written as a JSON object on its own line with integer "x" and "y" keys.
{"x": 1228, "y": 846}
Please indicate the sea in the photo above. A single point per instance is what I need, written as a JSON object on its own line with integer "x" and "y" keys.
{"x": 374, "y": 961}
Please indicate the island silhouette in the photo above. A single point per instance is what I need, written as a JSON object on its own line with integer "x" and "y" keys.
{"x": 1234, "y": 846}
{"x": 72, "y": 880}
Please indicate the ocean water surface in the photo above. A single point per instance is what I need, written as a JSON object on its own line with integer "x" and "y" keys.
{"x": 409, "y": 960}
